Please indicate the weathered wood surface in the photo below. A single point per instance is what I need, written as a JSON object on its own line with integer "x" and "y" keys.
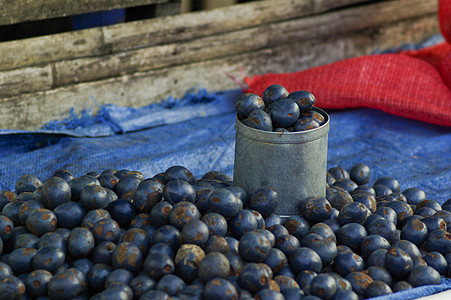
{"x": 152, "y": 32}
{"x": 17, "y": 11}
{"x": 30, "y": 111}
{"x": 264, "y": 36}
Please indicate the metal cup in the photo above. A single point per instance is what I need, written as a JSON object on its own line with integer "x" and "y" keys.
{"x": 293, "y": 163}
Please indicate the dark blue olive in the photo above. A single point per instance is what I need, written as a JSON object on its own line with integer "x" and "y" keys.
{"x": 326, "y": 249}
{"x": 284, "y": 113}
{"x": 216, "y": 243}
{"x": 338, "y": 197}
{"x": 91, "y": 217}
{"x": 41, "y": 221}
{"x": 371, "y": 243}
{"x": 323, "y": 286}
{"x": 398, "y": 262}
{"x": 254, "y": 247}
{"x": 102, "y": 252}
{"x": 97, "y": 276}
{"x": 261, "y": 120}
{"x": 401, "y": 286}
{"x": 127, "y": 256}
{"x": 354, "y": 212}
{"x": 273, "y": 219}
{"x": 195, "y": 232}
{"x": 351, "y": 235}
{"x": 25, "y": 240}
{"x": 80, "y": 243}
{"x": 339, "y": 173}
{"x": 127, "y": 183}
{"x": 49, "y": 258}
{"x": 122, "y": 211}
{"x": 178, "y": 173}
{"x": 183, "y": 212}
{"x": 274, "y": 93}
{"x": 315, "y": 209}
{"x": 276, "y": 260}
{"x": 402, "y": 209}
{"x": 7, "y": 197}
{"x": 177, "y": 191}
{"x": 220, "y": 288}
{"x": 414, "y": 231}
{"x": 387, "y": 213}
{"x": 93, "y": 197}
{"x": 254, "y": 277}
{"x": 359, "y": 282}
{"x": 304, "y": 258}
{"x": 170, "y": 284}
{"x": 154, "y": 295}
{"x": 367, "y": 200}
{"x": 377, "y": 288}
{"x": 382, "y": 190}
{"x": 381, "y": 274}
{"x": 69, "y": 214}
{"x": 141, "y": 284}
{"x": 65, "y": 285}
{"x": 360, "y": 174}
{"x": 304, "y": 277}
{"x": 247, "y": 103}
{"x": 323, "y": 230}
{"x": 214, "y": 264}
{"x": 21, "y": 260}
{"x": 36, "y": 282}
{"x": 54, "y": 192}
{"x": 12, "y": 287}
{"x": 162, "y": 248}
{"x": 201, "y": 201}
{"x": 244, "y": 221}
{"x": 224, "y": 202}
{"x": 305, "y": 123}
{"x": 278, "y": 230}
{"x": 408, "y": 247}
{"x": 348, "y": 261}
{"x": 346, "y": 184}
{"x": 297, "y": 226}
{"x": 168, "y": 234}
{"x": 372, "y": 218}
{"x": 187, "y": 261}
{"x": 157, "y": 265}
{"x": 383, "y": 228}
{"x": 446, "y": 216}
{"x": 27, "y": 183}
{"x": 414, "y": 195}
{"x": 304, "y": 99}
{"x": 83, "y": 264}
{"x": 106, "y": 230}
{"x": 26, "y": 208}
{"x": 139, "y": 237}
{"x": 240, "y": 193}
{"x": 332, "y": 223}
{"x": 434, "y": 222}
{"x": 437, "y": 261}
{"x": 264, "y": 200}
{"x": 118, "y": 275}
{"x": 424, "y": 212}
{"x": 148, "y": 193}
{"x": 345, "y": 295}
{"x": 364, "y": 189}
{"x": 159, "y": 214}
{"x": 6, "y": 228}
{"x": 389, "y": 182}
{"x": 141, "y": 220}
{"x": 288, "y": 244}
{"x": 377, "y": 258}
{"x": 424, "y": 275}
{"x": 233, "y": 244}
{"x": 108, "y": 180}
{"x": 5, "y": 270}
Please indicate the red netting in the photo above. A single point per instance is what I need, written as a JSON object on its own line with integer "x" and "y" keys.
{"x": 412, "y": 84}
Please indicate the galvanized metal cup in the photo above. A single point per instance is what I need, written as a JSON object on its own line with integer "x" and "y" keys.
{"x": 294, "y": 163}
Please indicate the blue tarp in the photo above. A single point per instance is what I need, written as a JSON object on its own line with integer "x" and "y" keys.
{"x": 198, "y": 132}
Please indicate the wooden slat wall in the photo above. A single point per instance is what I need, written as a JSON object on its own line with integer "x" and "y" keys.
{"x": 17, "y": 11}
{"x": 141, "y": 62}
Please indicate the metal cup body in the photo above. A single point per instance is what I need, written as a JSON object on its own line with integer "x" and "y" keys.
{"x": 294, "y": 163}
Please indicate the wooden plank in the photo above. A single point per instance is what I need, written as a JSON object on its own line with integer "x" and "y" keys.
{"x": 30, "y": 111}
{"x": 260, "y": 37}
{"x": 24, "y": 80}
{"x": 140, "y": 34}
{"x": 17, "y": 11}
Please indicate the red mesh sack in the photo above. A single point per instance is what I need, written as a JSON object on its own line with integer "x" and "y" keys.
{"x": 412, "y": 84}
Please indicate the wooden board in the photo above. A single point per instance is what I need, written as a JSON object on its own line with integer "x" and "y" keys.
{"x": 30, "y": 111}
{"x": 17, "y": 11}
